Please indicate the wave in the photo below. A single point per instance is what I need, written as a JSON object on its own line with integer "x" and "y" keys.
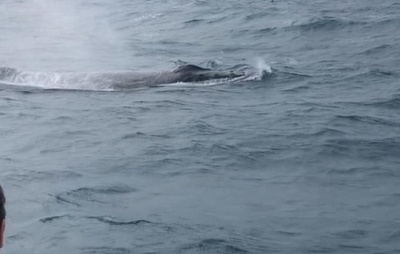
{"x": 104, "y": 219}
{"x": 371, "y": 75}
{"x": 380, "y": 72}
{"x": 93, "y": 194}
{"x": 212, "y": 245}
{"x": 331, "y": 23}
{"x": 392, "y": 103}
{"x": 193, "y": 22}
{"x": 106, "y": 250}
{"x": 328, "y": 132}
{"x": 107, "y": 190}
{"x": 323, "y": 23}
{"x": 53, "y": 218}
{"x": 110, "y": 221}
{"x": 328, "y": 24}
{"x": 371, "y": 149}
{"x": 378, "y": 49}
{"x": 367, "y": 120}
{"x": 369, "y": 170}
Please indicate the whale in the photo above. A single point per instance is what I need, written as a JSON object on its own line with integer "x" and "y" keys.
{"x": 120, "y": 80}
{"x": 188, "y": 73}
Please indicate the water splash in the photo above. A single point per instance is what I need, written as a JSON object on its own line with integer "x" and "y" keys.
{"x": 263, "y": 68}
{"x": 53, "y": 80}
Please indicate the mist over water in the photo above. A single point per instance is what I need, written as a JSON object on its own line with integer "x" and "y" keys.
{"x": 62, "y": 35}
{"x": 304, "y": 160}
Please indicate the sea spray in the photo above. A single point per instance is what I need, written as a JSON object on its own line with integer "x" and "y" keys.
{"x": 263, "y": 68}
{"x": 84, "y": 39}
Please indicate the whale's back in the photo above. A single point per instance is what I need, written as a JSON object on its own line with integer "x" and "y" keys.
{"x": 189, "y": 68}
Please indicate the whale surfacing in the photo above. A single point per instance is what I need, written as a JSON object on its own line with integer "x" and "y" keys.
{"x": 187, "y": 73}
{"x": 194, "y": 73}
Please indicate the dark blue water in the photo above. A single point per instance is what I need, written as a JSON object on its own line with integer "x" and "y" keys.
{"x": 304, "y": 161}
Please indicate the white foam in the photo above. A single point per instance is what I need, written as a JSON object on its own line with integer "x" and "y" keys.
{"x": 50, "y": 80}
{"x": 263, "y": 68}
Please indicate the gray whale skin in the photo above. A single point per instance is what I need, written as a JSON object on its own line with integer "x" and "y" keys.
{"x": 128, "y": 79}
{"x": 186, "y": 73}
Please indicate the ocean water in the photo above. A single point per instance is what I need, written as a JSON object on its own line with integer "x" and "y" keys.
{"x": 306, "y": 160}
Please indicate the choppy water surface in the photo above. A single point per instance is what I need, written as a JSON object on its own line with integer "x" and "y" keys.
{"x": 306, "y": 161}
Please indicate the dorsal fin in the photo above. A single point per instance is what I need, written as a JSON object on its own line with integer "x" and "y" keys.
{"x": 189, "y": 68}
